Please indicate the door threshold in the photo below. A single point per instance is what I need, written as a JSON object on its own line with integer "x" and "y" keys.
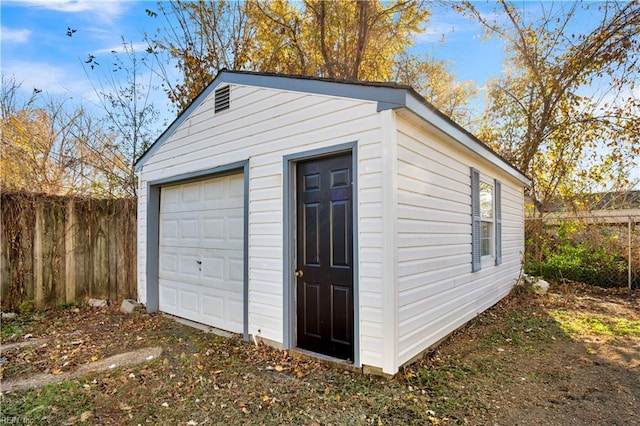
{"x": 327, "y": 359}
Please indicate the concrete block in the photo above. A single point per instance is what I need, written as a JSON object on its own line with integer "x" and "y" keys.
{"x": 97, "y": 303}
{"x": 128, "y": 306}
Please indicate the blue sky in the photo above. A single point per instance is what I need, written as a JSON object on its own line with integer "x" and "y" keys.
{"x": 38, "y": 52}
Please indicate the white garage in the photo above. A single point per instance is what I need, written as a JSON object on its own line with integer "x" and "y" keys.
{"x": 200, "y": 265}
{"x": 348, "y": 219}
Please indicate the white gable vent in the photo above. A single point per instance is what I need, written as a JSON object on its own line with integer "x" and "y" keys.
{"x": 222, "y": 99}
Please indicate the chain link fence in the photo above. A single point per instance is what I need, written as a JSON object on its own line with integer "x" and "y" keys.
{"x": 599, "y": 248}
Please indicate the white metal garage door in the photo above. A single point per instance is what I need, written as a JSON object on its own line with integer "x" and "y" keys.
{"x": 201, "y": 251}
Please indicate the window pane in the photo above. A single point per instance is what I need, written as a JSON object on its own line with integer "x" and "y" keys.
{"x": 486, "y": 201}
{"x": 485, "y": 237}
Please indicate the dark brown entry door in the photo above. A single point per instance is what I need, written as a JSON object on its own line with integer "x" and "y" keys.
{"x": 325, "y": 256}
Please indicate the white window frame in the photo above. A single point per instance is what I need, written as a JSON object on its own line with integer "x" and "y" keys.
{"x": 478, "y": 259}
{"x": 490, "y": 220}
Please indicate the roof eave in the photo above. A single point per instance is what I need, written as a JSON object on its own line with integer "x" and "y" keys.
{"x": 387, "y": 96}
{"x": 417, "y": 105}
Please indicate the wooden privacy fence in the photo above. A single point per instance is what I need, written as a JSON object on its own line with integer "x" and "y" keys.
{"x": 56, "y": 250}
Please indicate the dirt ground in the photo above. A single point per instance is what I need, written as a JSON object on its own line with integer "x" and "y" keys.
{"x": 570, "y": 357}
{"x": 535, "y": 372}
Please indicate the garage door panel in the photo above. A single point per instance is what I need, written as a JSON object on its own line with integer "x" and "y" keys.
{"x": 169, "y": 296}
{"x": 201, "y": 248}
{"x": 213, "y": 191}
{"x": 190, "y": 194}
{"x": 213, "y": 306}
{"x": 189, "y": 300}
{"x": 235, "y": 228}
{"x": 236, "y": 271}
{"x": 169, "y": 230}
{"x": 170, "y": 198}
{"x": 213, "y": 267}
{"x": 168, "y": 263}
{"x": 230, "y": 189}
{"x": 190, "y": 230}
{"x": 188, "y": 265}
{"x": 213, "y": 231}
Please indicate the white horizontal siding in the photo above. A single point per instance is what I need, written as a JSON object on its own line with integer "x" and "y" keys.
{"x": 437, "y": 291}
{"x": 142, "y": 241}
{"x": 264, "y": 125}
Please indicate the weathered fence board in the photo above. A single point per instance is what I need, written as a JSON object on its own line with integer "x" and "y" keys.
{"x": 56, "y": 250}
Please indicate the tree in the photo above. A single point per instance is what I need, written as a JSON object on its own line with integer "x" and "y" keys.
{"x": 201, "y": 38}
{"x": 564, "y": 112}
{"x": 433, "y": 80}
{"x": 50, "y": 148}
{"x": 351, "y": 40}
{"x": 335, "y": 39}
{"x": 124, "y": 95}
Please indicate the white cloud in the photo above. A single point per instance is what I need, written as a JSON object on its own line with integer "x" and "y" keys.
{"x": 52, "y": 79}
{"x": 137, "y": 47}
{"x": 436, "y": 31}
{"x": 106, "y": 9}
{"x": 14, "y": 35}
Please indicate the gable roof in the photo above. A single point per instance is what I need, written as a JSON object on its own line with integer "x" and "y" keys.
{"x": 386, "y": 95}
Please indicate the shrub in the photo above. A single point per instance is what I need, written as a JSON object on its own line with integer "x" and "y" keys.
{"x": 579, "y": 252}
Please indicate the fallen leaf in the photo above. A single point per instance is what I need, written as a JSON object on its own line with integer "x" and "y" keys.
{"x": 86, "y": 416}
{"x": 278, "y": 368}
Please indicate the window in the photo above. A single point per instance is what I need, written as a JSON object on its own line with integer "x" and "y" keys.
{"x": 486, "y": 216}
{"x": 486, "y": 220}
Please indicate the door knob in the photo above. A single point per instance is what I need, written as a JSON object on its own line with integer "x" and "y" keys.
{"x": 299, "y": 273}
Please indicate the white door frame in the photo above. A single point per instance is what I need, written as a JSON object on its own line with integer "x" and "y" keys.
{"x": 289, "y": 241}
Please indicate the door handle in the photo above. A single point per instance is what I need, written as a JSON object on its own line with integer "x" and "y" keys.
{"x": 299, "y": 273}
